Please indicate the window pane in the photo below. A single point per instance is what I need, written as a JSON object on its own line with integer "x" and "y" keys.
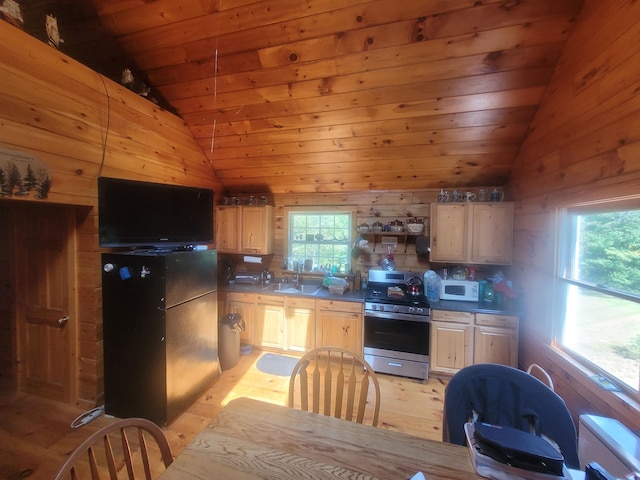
{"x": 320, "y": 239}
{"x": 607, "y": 250}
{"x": 604, "y": 330}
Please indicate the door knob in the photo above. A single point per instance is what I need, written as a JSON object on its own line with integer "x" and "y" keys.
{"x": 63, "y": 320}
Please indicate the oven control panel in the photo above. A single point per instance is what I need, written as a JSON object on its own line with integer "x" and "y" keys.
{"x": 391, "y": 308}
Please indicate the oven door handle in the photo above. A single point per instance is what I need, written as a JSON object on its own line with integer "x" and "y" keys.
{"x": 397, "y": 316}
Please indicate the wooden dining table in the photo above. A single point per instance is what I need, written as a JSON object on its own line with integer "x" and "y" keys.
{"x": 250, "y": 439}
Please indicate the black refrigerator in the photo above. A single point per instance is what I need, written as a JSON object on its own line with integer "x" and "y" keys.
{"x": 160, "y": 323}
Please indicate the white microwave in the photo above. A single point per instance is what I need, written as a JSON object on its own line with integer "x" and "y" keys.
{"x": 466, "y": 290}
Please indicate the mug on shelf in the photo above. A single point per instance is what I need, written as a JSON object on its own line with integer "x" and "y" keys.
{"x": 455, "y": 196}
{"x": 469, "y": 197}
{"x": 482, "y": 195}
{"x": 496, "y": 195}
{"x": 443, "y": 196}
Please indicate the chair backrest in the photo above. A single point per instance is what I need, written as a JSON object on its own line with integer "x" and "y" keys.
{"x": 507, "y": 396}
{"x": 122, "y": 444}
{"x": 335, "y": 382}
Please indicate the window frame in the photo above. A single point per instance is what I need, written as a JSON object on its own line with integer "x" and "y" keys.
{"x": 566, "y": 240}
{"x": 315, "y": 210}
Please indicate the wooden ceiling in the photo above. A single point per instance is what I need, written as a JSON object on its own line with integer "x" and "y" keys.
{"x": 334, "y": 95}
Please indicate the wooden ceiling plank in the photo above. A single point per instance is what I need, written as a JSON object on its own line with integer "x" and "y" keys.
{"x": 422, "y": 91}
{"x": 513, "y": 132}
{"x": 495, "y": 118}
{"x": 491, "y": 100}
{"x": 501, "y": 160}
{"x": 455, "y": 120}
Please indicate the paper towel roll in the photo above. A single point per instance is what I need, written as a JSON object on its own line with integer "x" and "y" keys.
{"x": 249, "y": 259}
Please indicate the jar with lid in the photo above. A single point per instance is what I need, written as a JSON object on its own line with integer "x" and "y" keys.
{"x": 488, "y": 295}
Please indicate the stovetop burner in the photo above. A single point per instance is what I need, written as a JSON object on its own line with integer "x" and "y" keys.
{"x": 387, "y": 292}
{"x": 380, "y": 293}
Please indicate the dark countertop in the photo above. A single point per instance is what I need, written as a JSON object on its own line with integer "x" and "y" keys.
{"x": 317, "y": 291}
{"x": 510, "y": 307}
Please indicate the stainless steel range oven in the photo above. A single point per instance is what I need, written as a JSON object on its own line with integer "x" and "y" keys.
{"x": 396, "y": 325}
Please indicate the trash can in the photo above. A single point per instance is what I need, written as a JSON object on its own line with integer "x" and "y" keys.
{"x": 229, "y": 329}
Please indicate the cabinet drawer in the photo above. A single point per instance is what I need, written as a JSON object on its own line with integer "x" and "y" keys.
{"x": 301, "y": 302}
{"x": 241, "y": 297}
{"x": 502, "y": 321}
{"x": 270, "y": 299}
{"x": 449, "y": 316}
{"x": 352, "y": 307}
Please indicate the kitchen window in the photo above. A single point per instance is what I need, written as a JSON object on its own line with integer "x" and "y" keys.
{"x": 600, "y": 292}
{"x": 320, "y": 239}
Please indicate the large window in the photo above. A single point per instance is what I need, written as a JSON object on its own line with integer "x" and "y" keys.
{"x": 600, "y": 280}
{"x": 320, "y": 239}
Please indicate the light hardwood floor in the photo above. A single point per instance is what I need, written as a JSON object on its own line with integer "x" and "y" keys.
{"x": 36, "y": 434}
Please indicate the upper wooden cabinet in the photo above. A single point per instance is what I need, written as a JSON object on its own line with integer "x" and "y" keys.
{"x": 245, "y": 229}
{"x": 472, "y": 232}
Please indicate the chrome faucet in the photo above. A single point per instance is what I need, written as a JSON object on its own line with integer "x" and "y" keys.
{"x": 298, "y": 278}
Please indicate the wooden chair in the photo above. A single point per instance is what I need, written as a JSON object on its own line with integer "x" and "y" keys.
{"x": 102, "y": 454}
{"x": 339, "y": 380}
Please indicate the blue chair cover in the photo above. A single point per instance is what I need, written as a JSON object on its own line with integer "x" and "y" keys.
{"x": 507, "y": 396}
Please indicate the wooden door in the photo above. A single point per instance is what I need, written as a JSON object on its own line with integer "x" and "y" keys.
{"x": 496, "y": 339}
{"x": 339, "y": 324}
{"x": 269, "y": 322}
{"x": 451, "y": 345}
{"x": 451, "y": 340}
{"x": 227, "y": 228}
{"x": 301, "y": 324}
{"x": 449, "y": 232}
{"x": 492, "y": 241}
{"x": 257, "y": 229}
{"x": 45, "y": 284}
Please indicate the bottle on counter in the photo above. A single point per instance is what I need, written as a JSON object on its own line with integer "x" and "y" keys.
{"x": 488, "y": 295}
{"x": 432, "y": 283}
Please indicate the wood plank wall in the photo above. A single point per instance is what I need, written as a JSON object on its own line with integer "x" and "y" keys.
{"x": 583, "y": 146}
{"x": 82, "y": 125}
{"x": 382, "y": 206}
{"x": 371, "y": 207}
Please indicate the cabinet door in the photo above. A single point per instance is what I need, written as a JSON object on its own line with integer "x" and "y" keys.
{"x": 449, "y": 232}
{"x": 340, "y": 325}
{"x": 495, "y": 345}
{"x": 269, "y": 321}
{"x": 451, "y": 340}
{"x": 243, "y": 304}
{"x": 301, "y": 324}
{"x": 257, "y": 229}
{"x": 227, "y": 229}
{"x": 492, "y": 238}
{"x": 451, "y": 346}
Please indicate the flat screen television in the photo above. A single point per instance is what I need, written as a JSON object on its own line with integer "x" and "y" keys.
{"x": 144, "y": 214}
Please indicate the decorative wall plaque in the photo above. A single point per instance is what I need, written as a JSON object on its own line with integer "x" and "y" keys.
{"x": 22, "y": 174}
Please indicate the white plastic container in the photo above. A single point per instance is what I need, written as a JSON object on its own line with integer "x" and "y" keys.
{"x": 431, "y": 281}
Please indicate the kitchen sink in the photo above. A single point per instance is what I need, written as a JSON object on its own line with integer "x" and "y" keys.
{"x": 300, "y": 289}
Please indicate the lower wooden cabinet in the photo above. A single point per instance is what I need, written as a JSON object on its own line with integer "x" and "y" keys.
{"x": 496, "y": 339}
{"x": 297, "y": 324}
{"x": 269, "y": 326}
{"x": 451, "y": 340}
{"x": 459, "y": 339}
{"x": 300, "y": 318}
{"x": 339, "y": 325}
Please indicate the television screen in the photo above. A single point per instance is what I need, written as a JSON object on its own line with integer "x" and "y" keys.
{"x": 144, "y": 214}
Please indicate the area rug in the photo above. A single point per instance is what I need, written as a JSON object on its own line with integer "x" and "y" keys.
{"x": 275, "y": 364}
